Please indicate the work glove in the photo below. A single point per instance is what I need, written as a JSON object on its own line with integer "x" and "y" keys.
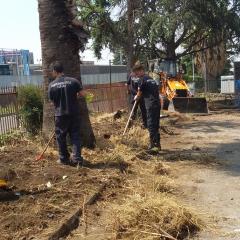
{"x": 89, "y": 97}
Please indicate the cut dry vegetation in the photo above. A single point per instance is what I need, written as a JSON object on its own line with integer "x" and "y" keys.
{"x": 140, "y": 203}
{"x": 155, "y": 216}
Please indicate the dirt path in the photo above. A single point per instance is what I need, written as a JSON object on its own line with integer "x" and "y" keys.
{"x": 212, "y": 189}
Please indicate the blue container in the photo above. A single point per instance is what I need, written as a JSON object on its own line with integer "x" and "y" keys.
{"x": 237, "y": 89}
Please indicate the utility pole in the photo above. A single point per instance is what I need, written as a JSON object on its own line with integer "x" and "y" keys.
{"x": 110, "y": 83}
{"x": 204, "y": 68}
{"x": 193, "y": 68}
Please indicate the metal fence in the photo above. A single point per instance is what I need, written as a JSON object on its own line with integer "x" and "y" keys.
{"x": 107, "y": 98}
{"x": 9, "y": 113}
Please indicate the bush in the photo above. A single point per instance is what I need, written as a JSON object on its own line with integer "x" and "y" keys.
{"x": 11, "y": 138}
{"x": 31, "y": 107}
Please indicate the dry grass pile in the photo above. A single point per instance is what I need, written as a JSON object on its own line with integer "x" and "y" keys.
{"x": 164, "y": 184}
{"x": 150, "y": 210}
{"x": 155, "y": 216}
{"x": 161, "y": 169}
{"x": 136, "y": 137}
{"x": 99, "y": 118}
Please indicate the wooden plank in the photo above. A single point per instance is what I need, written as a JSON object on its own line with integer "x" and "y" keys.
{"x": 72, "y": 222}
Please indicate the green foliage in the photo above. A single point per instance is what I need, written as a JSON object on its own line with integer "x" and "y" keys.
{"x": 119, "y": 58}
{"x": 228, "y": 69}
{"x": 188, "y": 62}
{"x": 162, "y": 26}
{"x": 31, "y": 101}
{"x": 10, "y": 138}
{"x": 96, "y": 13}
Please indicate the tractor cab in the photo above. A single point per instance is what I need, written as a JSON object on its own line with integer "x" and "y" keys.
{"x": 174, "y": 88}
{"x": 169, "y": 67}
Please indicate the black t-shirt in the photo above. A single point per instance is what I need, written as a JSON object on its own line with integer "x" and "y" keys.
{"x": 63, "y": 93}
{"x": 150, "y": 91}
{"x": 133, "y": 83}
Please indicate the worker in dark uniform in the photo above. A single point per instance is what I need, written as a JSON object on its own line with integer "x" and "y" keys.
{"x": 132, "y": 84}
{"x": 149, "y": 91}
{"x": 64, "y": 92}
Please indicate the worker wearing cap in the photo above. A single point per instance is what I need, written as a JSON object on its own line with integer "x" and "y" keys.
{"x": 132, "y": 84}
{"x": 149, "y": 91}
{"x": 64, "y": 92}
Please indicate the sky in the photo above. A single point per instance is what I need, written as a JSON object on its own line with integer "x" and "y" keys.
{"x": 19, "y": 29}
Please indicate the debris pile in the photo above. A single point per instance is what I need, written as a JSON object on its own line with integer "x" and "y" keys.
{"x": 146, "y": 206}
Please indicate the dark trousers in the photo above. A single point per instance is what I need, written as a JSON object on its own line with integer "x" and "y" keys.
{"x": 153, "y": 123}
{"x": 65, "y": 125}
{"x": 142, "y": 106}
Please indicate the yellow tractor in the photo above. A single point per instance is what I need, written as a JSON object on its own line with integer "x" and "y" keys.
{"x": 173, "y": 88}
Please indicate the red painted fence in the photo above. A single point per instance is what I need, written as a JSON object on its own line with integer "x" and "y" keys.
{"x": 108, "y": 98}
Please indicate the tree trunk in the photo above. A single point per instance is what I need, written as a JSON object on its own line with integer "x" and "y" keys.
{"x": 130, "y": 47}
{"x": 170, "y": 50}
{"x": 60, "y": 42}
{"x": 211, "y": 64}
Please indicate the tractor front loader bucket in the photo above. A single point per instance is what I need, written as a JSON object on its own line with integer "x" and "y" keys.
{"x": 190, "y": 105}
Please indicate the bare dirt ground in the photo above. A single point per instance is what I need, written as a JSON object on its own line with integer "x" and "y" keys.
{"x": 193, "y": 184}
{"x": 211, "y": 185}
{"x": 47, "y": 192}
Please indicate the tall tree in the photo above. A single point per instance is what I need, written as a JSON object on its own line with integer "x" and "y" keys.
{"x": 131, "y": 6}
{"x": 225, "y": 40}
{"x": 115, "y": 31}
{"x": 119, "y": 58}
{"x": 62, "y": 36}
{"x": 160, "y": 28}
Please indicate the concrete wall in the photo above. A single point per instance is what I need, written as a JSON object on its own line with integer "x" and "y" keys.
{"x": 89, "y": 74}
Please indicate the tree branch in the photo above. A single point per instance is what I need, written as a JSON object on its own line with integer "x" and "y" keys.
{"x": 199, "y": 50}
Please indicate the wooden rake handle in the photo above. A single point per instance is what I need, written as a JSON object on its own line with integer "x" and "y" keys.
{"x": 129, "y": 119}
{"x": 38, "y": 158}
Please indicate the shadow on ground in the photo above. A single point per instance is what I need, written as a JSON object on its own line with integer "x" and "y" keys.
{"x": 217, "y": 143}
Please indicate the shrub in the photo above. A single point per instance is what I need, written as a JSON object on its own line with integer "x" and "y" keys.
{"x": 31, "y": 107}
{"x": 11, "y": 138}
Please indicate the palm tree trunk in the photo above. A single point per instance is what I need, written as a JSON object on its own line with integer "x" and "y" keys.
{"x": 60, "y": 42}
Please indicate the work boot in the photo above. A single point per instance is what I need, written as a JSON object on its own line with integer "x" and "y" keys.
{"x": 63, "y": 162}
{"x": 151, "y": 144}
{"x": 157, "y": 143}
{"x": 154, "y": 146}
{"x": 77, "y": 162}
{"x": 158, "y": 146}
